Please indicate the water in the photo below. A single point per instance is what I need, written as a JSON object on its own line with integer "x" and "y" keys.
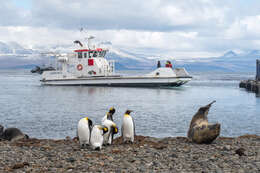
{"x": 53, "y": 112}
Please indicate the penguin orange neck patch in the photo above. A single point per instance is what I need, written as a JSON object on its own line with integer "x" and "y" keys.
{"x": 127, "y": 115}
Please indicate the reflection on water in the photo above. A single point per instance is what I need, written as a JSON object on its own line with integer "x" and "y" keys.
{"x": 53, "y": 112}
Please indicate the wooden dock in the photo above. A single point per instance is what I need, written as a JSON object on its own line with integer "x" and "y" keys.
{"x": 253, "y": 85}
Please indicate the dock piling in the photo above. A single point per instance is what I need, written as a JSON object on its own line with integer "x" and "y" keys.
{"x": 253, "y": 85}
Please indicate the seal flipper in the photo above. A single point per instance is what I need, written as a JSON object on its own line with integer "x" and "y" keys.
{"x": 205, "y": 134}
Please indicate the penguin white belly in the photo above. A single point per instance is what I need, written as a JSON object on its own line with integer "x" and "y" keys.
{"x": 83, "y": 132}
{"x": 128, "y": 128}
{"x": 96, "y": 139}
{"x": 108, "y": 135}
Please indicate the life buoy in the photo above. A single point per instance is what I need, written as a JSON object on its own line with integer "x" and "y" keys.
{"x": 79, "y": 67}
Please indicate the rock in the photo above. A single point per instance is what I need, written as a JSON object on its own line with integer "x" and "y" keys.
{"x": 20, "y": 165}
{"x": 70, "y": 159}
{"x": 218, "y": 170}
{"x": 240, "y": 151}
{"x": 227, "y": 147}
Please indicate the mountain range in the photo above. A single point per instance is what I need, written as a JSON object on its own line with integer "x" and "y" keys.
{"x": 13, "y": 55}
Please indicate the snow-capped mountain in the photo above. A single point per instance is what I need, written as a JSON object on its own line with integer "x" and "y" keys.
{"x": 14, "y": 55}
{"x": 230, "y": 54}
{"x": 230, "y": 61}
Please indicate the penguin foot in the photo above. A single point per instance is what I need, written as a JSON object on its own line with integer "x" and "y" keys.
{"x": 98, "y": 148}
{"x": 128, "y": 142}
{"x": 83, "y": 146}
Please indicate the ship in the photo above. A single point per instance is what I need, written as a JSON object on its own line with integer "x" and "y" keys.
{"x": 88, "y": 66}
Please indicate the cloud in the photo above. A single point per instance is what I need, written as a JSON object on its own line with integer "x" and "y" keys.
{"x": 11, "y": 15}
{"x": 152, "y": 15}
{"x": 194, "y": 28}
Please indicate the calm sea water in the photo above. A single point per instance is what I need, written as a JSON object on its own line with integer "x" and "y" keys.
{"x": 53, "y": 112}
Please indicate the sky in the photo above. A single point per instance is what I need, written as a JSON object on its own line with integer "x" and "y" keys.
{"x": 179, "y": 28}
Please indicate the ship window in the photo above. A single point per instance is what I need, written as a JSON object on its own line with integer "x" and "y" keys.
{"x": 79, "y": 54}
{"x": 95, "y": 54}
{"x": 90, "y": 54}
{"x": 104, "y": 53}
{"x": 85, "y": 55}
{"x": 100, "y": 53}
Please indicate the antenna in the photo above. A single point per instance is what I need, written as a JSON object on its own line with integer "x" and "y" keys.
{"x": 89, "y": 41}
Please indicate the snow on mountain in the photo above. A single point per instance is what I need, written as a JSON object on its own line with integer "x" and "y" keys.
{"x": 4, "y": 48}
{"x": 255, "y": 52}
{"x": 230, "y": 54}
{"x": 14, "y": 48}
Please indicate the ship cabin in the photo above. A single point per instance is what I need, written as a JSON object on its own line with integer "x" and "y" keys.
{"x": 92, "y": 62}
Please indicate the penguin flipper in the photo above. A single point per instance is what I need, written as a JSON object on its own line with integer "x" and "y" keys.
{"x": 134, "y": 126}
{"x": 122, "y": 131}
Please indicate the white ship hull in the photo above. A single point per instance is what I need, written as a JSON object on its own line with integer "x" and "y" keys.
{"x": 130, "y": 81}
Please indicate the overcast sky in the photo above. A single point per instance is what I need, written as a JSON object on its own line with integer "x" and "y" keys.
{"x": 181, "y": 28}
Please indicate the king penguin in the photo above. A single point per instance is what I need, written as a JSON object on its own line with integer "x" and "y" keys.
{"x": 112, "y": 130}
{"x": 84, "y": 131}
{"x": 128, "y": 127}
{"x": 200, "y": 130}
{"x": 97, "y": 136}
{"x": 109, "y": 114}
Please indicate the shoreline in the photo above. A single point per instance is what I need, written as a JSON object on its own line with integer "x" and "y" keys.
{"x": 146, "y": 154}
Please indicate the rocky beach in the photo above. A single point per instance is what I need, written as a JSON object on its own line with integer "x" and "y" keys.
{"x": 146, "y": 154}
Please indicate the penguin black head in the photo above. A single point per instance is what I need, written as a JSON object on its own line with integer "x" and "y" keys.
{"x": 112, "y": 110}
{"x": 114, "y": 129}
{"x": 105, "y": 130}
{"x": 128, "y": 112}
{"x": 110, "y": 113}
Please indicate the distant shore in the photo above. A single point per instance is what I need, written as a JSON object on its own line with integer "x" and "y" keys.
{"x": 147, "y": 154}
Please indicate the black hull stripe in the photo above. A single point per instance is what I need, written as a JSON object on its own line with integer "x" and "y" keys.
{"x": 125, "y": 84}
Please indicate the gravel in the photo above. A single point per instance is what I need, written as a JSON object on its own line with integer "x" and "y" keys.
{"x": 146, "y": 154}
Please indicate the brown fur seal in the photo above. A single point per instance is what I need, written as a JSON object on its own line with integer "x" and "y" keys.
{"x": 12, "y": 134}
{"x": 200, "y": 130}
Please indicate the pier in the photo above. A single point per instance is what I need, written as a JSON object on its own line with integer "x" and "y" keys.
{"x": 253, "y": 85}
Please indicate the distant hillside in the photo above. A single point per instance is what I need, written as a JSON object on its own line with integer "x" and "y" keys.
{"x": 13, "y": 55}
{"x": 229, "y": 62}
